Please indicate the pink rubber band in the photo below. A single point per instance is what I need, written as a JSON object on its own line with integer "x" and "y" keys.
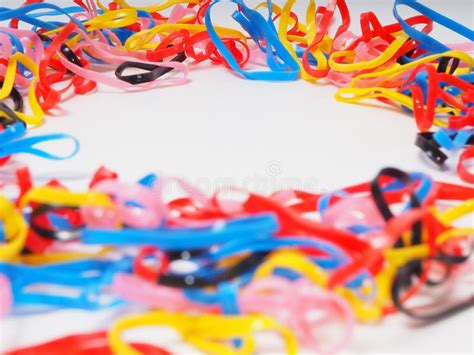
{"x": 6, "y": 298}
{"x": 179, "y": 12}
{"x": 135, "y": 290}
{"x": 114, "y": 82}
{"x": 353, "y": 210}
{"x": 149, "y": 215}
{"x": 20, "y": 80}
{"x": 6, "y": 48}
{"x": 464, "y": 47}
{"x": 31, "y": 42}
{"x": 292, "y": 302}
{"x": 112, "y": 58}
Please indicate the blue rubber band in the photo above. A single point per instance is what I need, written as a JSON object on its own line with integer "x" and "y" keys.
{"x": 442, "y": 137}
{"x": 451, "y": 140}
{"x": 22, "y": 13}
{"x": 2, "y": 233}
{"x": 87, "y": 277}
{"x": 288, "y": 70}
{"x": 12, "y": 133}
{"x": 148, "y": 180}
{"x": 427, "y": 42}
{"x": 462, "y": 138}
{"x": 324, "y": 201}
{"x": 58, "y": 221}
{"x": 227, "y": 293}
{"x": 9, "y": 144}
{"x": 236, "y": 247}
{"x": 244, "y": 229}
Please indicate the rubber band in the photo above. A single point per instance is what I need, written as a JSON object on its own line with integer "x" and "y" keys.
{"x": 255, "y": 19}
{"x": 152, "y": 73}
{"x": 427, "y": 144}
{"x": 186, "y": 238}
{"x": 15, "y": 229}
{"x": 294, "y": 261}
{"x": 197, "y": 329}
{"x": 67, "y": 232}
{"x": 426, "y": 42}
{"x": 27, "y": 145}
{"x": 58, "y": 256}
{"x": 78, "y": 275}
{"x": 5, "y": 296}
{"x": 318, "y": 37}
{"x": 8, "y": 84}
{"x": 22, "y": 14}
{"x": 54, "y": 195}
{"x": 463, "y": 172}
{"x": 272, "y": 296}
{"x": 17, "y": 100}
{"x": 146, "y": 212}
{"x": 81, "y": 344}
{"x": 214, "y": 277}
{"x": 168, "y": 298}
{"x": 402, "y": 278}
{"x": 397, "y": 70}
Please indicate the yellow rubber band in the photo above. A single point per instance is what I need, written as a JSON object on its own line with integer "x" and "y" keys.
{"x": 60, "y": 257}
{"x": 198, "y": 328}
{"x": 294, "y": 261}
{"x": 398, "y": 69}
{"x": 354, "y": 95}
{"x": 309, "y": 29}
{"x": 455, "y": 234}
{"x": 37, "y": 113}
{"x": 144, "y": 39}
{"x": 400, "y": 256}
{"x": 113, "y": 19}
{"x": 383, "y": 58}
{"x": 15, "y": 229}
{"x": 449, "y": 216}
{"x": 59, "y": 196}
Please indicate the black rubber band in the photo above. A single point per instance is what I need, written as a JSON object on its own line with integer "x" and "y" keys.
{"x": 403, "y": 279}
{"x": 152, "y": 73}
{"x": 70, "y": 55}
{"x": 16, "y": 97}
{"x": 56, "y": 234}
{"x": 378, "y": 195}
{"x": 444, "y": 62}
{"x": 190, "y": 281}
{"x": 184, "y": 254}
{"x": 9, "y": 117}
{"x": 384, "y": 208}
{"x": 65, "y": 50}
{"x": 428, "y": 145}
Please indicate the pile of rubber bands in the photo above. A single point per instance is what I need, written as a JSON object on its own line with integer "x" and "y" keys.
{"x": 219, "y": 269}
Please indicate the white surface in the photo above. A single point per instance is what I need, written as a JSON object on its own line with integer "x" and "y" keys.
{"x": 219, "y": 129}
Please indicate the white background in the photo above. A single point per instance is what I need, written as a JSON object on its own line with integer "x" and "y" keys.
{"x": 219, "y": 129}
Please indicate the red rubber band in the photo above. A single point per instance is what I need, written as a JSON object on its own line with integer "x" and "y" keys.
{"x": 463, "y": 172}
